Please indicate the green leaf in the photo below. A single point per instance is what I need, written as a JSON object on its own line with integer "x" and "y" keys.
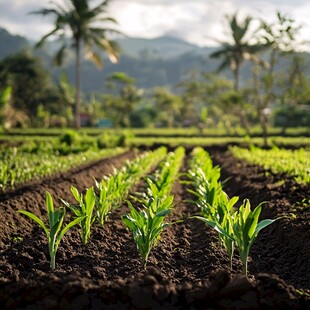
{"x": 65, "y": 203}
{"x": 36, "y": 219}
{"x": 163, "y": 213}
{"x": 255, "y": 216}
{"x": 232, "y": 202}
{"x": 129, "y": 223}
{"x": 214, "y": 225}
{"x": 90, "y": 199}
{"x": 68, "y": 226}
{"x": 5, "y": 95}
{"x": 75, "y": 193}
{"x": 264, "y": 223}
{"x": 50, "y": 208}
{"x": 56, "y": 228}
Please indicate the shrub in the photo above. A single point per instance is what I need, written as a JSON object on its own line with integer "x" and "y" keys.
{"x": 69, "y": 137}
{"x": 110, "y": 139}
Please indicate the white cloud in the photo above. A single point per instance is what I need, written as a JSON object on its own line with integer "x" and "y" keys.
{"x": 139, "y": 19}
{"x": 196, "y": 21}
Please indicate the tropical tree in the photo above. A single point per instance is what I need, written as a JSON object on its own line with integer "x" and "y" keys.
{"x": 238, "y": 49}
{"x": 31, "y": 86}
{"x": 82, "y": 23}
{"x": 124, "y": 98}
{"x": 280, "y": 40}
{"x": 294, "y": 87}
{"x": 280, "y": 37}
{"x": 201, "y": 93}
{"x": 193, "y": 98}
{"x": 10, "y": 116}
{"x": 169, "y": 106}
{"x": 67, "y": 98}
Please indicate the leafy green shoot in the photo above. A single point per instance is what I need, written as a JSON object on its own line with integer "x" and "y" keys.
{"x": 54, "y": 231}
{"x": 147, "y": 224}
{"x": 83, "y": 210}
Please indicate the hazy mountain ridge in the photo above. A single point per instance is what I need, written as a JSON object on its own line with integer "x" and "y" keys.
{"x": 161, "y": 61}
{"x": 10, "y": 44}
{"x": 165, "y": 47}
{"x": 152, "y": 62}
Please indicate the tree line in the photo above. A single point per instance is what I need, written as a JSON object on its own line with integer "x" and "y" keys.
{"x": 29, "y": 98}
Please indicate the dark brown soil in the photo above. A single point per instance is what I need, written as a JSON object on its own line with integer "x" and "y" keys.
{"x": 186, "y": 270}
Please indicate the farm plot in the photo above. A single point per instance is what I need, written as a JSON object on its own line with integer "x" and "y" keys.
{"x": 187, "y": 268}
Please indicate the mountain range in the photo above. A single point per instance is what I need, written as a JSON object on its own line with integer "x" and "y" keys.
{"x": 162, "y": 61}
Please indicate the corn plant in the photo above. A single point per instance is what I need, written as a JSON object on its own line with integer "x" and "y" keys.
{"x": 83, "y": 210}
{"x": 245, "y": 228}
{"x": 241, "y": 229}
{"x": 219, "y": 217}
{"x": 212, "y": 201}
{"x": 164, "y": 177}
{"x": 104, "y": 199}
{"x": 112, "y": 189}
{"x": 147, "y": 224}
{"x": 208, "y": 196}
{"x": 54, "y": 232}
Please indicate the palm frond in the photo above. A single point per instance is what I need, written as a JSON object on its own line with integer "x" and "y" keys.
{"x": 94, "y": 57}
{"x": 45, "y": 37}
{"x": 107, "y": 20}
{"x": 102, "y": 31}
{"x": 111, "y": 48}
{"x": 59, "y": 57}
{"x": 220, "y": 53}
{"x": 224, "y": 65}
{"x": 45, "y": 11}
{"x": 101, "y": 8}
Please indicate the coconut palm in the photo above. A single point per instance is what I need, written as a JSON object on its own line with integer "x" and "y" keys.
{"x": 83, "y": 24}
{"x": 234, "y": 53}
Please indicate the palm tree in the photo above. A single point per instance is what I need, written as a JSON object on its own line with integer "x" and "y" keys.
{"x": 235, "y": 53}
{"x": 83, "y": 24}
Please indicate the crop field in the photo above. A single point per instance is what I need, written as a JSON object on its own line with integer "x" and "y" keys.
{"x": 88, "y": 223}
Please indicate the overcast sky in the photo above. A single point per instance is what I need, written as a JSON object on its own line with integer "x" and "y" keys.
{"x": 197, "y": 21}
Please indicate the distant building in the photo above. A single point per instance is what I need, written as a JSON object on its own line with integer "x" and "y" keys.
{"x": 104, "y": 123}
{"x": 84, "y": 119}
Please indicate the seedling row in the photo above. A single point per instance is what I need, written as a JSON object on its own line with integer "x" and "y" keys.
{"x": 237, "y": 227}
{"x": 17, "y": 166}
{"x": 295, "y": 163}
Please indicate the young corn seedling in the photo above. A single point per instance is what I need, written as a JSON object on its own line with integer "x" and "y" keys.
{"x": 83, "y": 210}
{"x": 104, "y": 199}
{"x": 112, "y": 189}
{"x": 219, "y": 218}
{"x": 213, "y": 202}
{"x": 147, "y": 224}
{"x": 54, "y": 232}
{"x": 164, "y": 177}
{"x": 245, "y": 228}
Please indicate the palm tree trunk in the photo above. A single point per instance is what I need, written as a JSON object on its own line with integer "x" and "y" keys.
{"x": 77, "y": 84}
{"x": 242, "y": 115}
{"x": 236, "y": 78}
